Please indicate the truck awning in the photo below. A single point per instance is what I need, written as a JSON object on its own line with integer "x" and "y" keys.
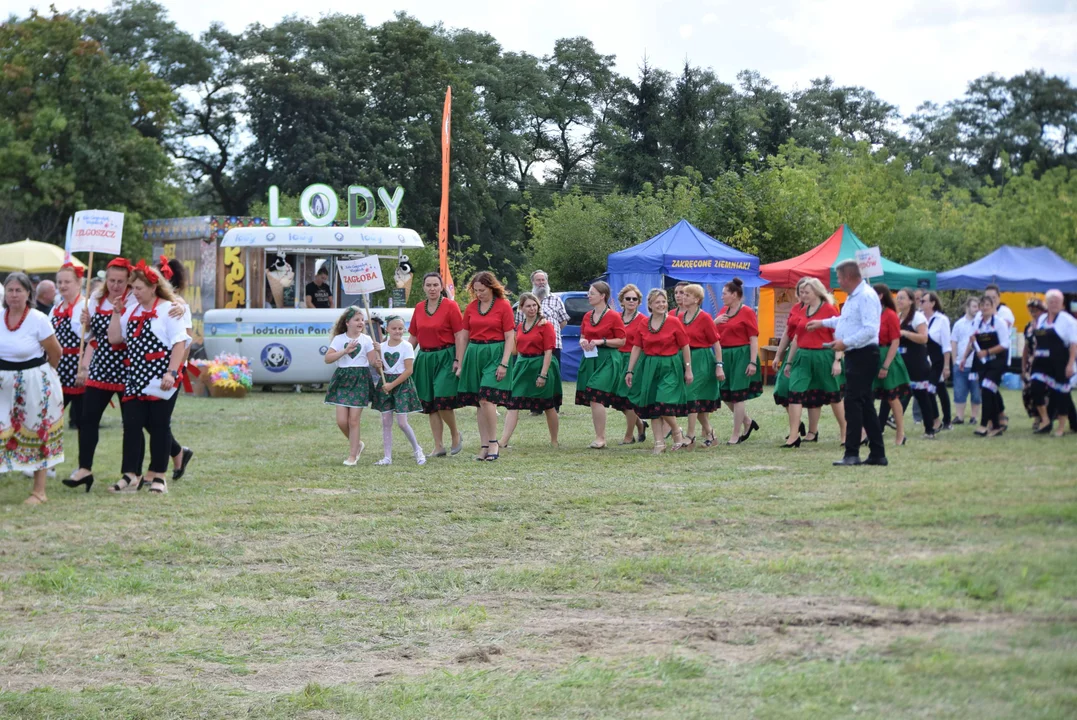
{"x": 322, "y": 238}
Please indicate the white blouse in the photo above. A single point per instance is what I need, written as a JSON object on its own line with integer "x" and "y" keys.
{"x": 168, "y": 330}
{"x": 938, "y": 329}
{"x": 366, "y": 345}
{"x": 25, "y": 343}
{"x": 1065, "y": 325}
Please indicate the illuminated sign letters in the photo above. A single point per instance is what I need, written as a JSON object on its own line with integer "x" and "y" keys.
{"x": 319, "y": 205}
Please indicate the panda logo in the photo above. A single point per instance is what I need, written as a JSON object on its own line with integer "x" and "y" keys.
{"x": 276, "y": 357}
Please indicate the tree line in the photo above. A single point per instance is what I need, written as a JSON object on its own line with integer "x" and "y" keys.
{"x": 556, "y": 161}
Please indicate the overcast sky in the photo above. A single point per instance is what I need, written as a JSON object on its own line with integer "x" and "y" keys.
{"x": 907, "y": 51}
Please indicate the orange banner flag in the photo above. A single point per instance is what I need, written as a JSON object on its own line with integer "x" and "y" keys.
{"x": 443, "y": 224}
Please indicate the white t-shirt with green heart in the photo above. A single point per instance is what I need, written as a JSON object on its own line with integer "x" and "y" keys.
{"x": 394, "y": 356}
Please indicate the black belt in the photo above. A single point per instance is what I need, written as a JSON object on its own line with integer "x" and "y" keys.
{"x": 22, "y": 364}
{"x": 530, "y": 356}
{"x": 486, "y": 342}
{"x": 873, "y": 346}
{"x": 436, "y": 349}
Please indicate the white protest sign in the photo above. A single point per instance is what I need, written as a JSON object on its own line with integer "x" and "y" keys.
{"x": 870, "y": 262}
{"x": 97, "y": 231}
{"x": 362, "y": 276}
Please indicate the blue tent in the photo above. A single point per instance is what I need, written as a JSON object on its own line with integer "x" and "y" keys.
{"x": 684, "y": 252}
{"x": 1014, "y": 269}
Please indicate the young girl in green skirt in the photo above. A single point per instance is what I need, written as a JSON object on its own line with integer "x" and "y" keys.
{"x": 354, "y": 353}
{"x": 396, "y": 395}
{"x": 536, "y": 373}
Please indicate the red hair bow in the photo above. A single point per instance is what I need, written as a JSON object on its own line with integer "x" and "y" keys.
{"x": 79, "y": 272}
{"x": 149, "y": 272}
{"x": 121, "y": 263}
{"x": 165, "y": 269}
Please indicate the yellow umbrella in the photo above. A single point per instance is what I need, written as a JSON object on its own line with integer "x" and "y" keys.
{"x": 31, "y": 256}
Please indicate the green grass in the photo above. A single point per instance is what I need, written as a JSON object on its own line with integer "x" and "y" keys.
{"x": 273, "y": 582}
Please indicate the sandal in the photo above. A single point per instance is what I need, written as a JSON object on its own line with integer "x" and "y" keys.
{"x": 628, "y": 442}
{"x": 494, "y": 455}
{"x": 659, "y": 448}
{"x": 678, "y": 446}
{"x": 596, "y": 445}
{"x": 482, "y": 457}
{"x": 35, "y": 499}
{"x": 158, "y": 487}
{"x": 710, "y": 440}
{"x": 690, "y": 445}
{"x": 125, "y": 484}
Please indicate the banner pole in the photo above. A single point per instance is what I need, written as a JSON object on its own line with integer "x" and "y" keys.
{"x": 89, "y": 277}
{"x": 370, "y": 324}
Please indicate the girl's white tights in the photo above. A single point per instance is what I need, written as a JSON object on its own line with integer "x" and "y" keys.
{"x": 387, "y": 433}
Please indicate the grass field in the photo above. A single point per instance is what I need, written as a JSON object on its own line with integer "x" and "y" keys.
{"x": 272, "y": 582}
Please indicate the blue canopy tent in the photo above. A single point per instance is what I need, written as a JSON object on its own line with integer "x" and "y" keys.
{"x": 683, "y": 252}
{"x": 1014, "y": 269}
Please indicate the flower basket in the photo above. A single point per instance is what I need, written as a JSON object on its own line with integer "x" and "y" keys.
{"x": 226, "y": 376}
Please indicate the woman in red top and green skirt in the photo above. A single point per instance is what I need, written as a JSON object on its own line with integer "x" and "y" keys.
{"x": 536, "y": 373}
{"x": 740, "y": 345}
{"x": 659, "y": 369}
{"x": 631, "y": 298}
{"x": 893, "y": 381}
{"x": 437, "y": 328}
{"x": 489, "y": 330}
{"x": 814, "y": 371}
{"x": 602, "y": 334}
{"x": 707, "y": 366}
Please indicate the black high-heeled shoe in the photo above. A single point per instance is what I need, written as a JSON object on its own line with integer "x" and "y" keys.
{"x": 643, "y": 432}
{"x": 803, "y": 430}
{"x": 814, "y": 439}
{"x": 753, "y": 426}
{"x": 490, "y": 457}
{"x": 86, "y": 480}
{"x": 790, "y": 446}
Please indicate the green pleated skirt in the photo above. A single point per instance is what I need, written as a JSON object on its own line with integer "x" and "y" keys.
{"x": 658, "y": 388}
{"x": 703, "y": 394}
{"x": 435, "y": 382}
{"x": 812, "y": 383}
{"x": 597, "y": 378}
{"x": 781, "y": 388}
{"x": 896, "y": 382}
{"x": 478, "y": 375}
{"x": 738, "y": 387}
{"x": 350, "y": 387}
{"x": 525, "y": 394}
{"x": 402, "y": 399}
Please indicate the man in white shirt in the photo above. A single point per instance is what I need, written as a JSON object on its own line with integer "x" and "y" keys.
{"x": 964, "y": 387}
{"x": 856, "y": 333}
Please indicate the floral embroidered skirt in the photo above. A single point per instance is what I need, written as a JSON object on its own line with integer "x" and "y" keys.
{"x": 402, "y": 399}
{"x": 31, "y": 419}
{"x": 350, "y": 387}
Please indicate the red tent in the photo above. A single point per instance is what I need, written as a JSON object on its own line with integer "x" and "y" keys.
{"x": 820, "y": 261}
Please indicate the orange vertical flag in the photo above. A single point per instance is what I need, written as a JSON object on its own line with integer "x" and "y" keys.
{"x": 443, "y": 224}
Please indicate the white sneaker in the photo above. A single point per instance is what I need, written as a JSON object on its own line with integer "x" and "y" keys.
{"x": 384, "y": 461}
{"x": 419, "y": 457}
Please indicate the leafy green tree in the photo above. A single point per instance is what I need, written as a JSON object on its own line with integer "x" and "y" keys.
{"x": 77, "y": 131}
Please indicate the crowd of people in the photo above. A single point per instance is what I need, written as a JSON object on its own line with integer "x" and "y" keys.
{"x": 658, "y": 364}
{"x": 128, "y": 339}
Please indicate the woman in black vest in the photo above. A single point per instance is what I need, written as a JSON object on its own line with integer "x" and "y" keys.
{"x": 938, "y": 351}
{"x": 991, "y": 343}
{"x": 1053, "y": 365}
{"x": 913, "y": 349}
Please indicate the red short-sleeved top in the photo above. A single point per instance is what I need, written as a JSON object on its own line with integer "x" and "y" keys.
{"x": 740, "y": 328}
{"x": 702, "y": 332}
{"x": 813, "y": 340}
{"x": 535, "y": 341}
{"x": 437, "y": 330}
{"x": 889, "y": 327}
{"x": 669, "y": 339}
{"x": 493, "y": 325}
{"x": 632, "y": 328}
{"x": 610, "y": 326}
{"x": 796, "y": 316}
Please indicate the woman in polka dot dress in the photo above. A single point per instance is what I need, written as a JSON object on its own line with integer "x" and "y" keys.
{"x": 101, "y": 369}
{"x": 156, "y": 348}
{"x": 66, "y": 319}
